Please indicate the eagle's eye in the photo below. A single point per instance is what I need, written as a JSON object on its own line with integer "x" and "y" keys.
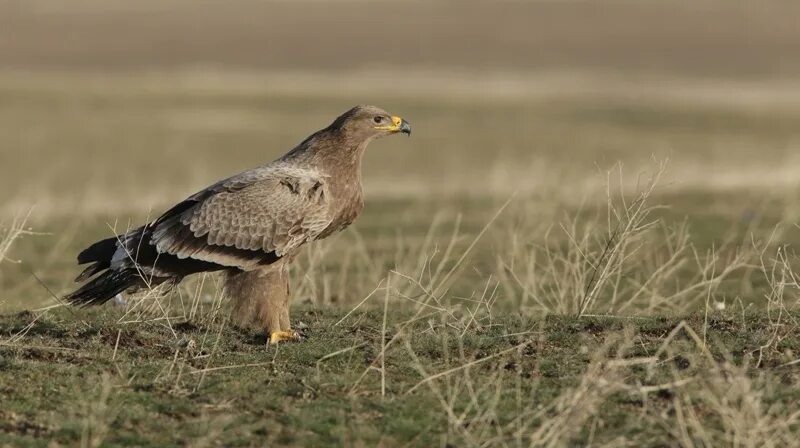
{"x": 378, "y": 119}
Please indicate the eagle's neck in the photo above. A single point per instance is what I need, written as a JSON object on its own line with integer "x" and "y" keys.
{"x": 334, "y": 153}
{"x": 339, "y": 158}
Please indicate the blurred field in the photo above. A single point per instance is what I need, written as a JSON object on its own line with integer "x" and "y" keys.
{"x": 709, "y": 38}
{"x": 88, "y": 153}
{"x": 589, "y": 238}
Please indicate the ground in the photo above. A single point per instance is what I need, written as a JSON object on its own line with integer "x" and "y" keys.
{"x": 508, "y": 380}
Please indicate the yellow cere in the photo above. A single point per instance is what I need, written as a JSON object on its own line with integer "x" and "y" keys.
{"x": 395, "y": 126}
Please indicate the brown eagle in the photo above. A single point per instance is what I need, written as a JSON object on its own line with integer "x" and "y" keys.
{"x": 250, "y": 226}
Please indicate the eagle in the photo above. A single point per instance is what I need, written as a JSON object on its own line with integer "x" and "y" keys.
{"x": 249, "y": 226}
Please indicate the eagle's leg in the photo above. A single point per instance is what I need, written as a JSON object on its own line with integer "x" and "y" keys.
{"x": 262, "y": 298}
{"x": 278, "y": 306}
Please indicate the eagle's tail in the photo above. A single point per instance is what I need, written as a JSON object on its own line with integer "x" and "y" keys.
{"x": 102, "y": 250}
{"x": 108, "y": 281}
{"x": 99, "y": 254}
{"x": 104, "y": 287}
{"x": 128, "y": 262}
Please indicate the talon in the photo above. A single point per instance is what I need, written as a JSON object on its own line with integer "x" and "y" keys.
{"x": 282, "y": 336}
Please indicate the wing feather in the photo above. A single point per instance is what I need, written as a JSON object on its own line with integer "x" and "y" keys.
{"x": 257, "y": 218}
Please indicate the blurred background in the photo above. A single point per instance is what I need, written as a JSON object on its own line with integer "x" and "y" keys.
{"x": 112, "y": 110}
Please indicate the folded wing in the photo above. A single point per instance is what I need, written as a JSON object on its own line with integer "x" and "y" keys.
{"x": 250, "y": 220}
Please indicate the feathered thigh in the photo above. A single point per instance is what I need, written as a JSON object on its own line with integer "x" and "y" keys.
{"x": 260, "y": 297}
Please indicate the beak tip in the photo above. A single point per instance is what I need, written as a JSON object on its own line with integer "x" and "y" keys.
{"x": 405, "y": 128}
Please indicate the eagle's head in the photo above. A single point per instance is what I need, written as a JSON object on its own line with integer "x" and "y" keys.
{"x": 368, "y": 122}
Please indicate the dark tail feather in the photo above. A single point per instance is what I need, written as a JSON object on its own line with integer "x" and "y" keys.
{"x": 101, "y": 251}
{"x": 91, "y": 270}
{"x": 104, "y": 287}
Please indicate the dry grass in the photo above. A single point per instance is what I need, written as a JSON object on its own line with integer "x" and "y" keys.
{"x": 539, "y": 382}
{"x": 621, "y": 262}
{"x": 596, "y": 306}
{"x": 8, "y": 234}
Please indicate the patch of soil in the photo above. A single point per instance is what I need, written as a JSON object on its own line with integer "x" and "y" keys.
{"x": 127, "y": 338}
{"x": 259, "y": 338}
{"x": 5, "y": 363}
{"x": 12, "y": 422}
{"x": 722, "y": 325}
{"x": 19, "y": 323}
{"x": 594, "y": 328}
{"x": 44, "y": 354}
{"x": 186, "y": 327}
{"x": 682, "y": 363}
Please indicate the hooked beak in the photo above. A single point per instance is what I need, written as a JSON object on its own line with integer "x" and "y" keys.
{"x": 405, "y": 127}
{"x": 398, "y": 125}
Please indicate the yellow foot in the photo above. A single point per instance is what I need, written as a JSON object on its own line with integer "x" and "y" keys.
{"x": 281, "y": 336}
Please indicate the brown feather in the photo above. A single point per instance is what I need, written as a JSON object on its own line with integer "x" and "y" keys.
{"x": 252, "y": 222}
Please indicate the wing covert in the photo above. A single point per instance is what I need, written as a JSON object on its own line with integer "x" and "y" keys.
{"x": 245, "y": 222}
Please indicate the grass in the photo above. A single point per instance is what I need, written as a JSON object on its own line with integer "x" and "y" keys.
{"x": 529, "y": 270}
{"x": 85, "y": 378}
{"x": 617, "y": 338}
{"x": 11, "y": 233}
{"x": 97, "y": 154}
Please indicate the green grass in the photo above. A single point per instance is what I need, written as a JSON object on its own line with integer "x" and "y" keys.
{"x": 81, "y": 376}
